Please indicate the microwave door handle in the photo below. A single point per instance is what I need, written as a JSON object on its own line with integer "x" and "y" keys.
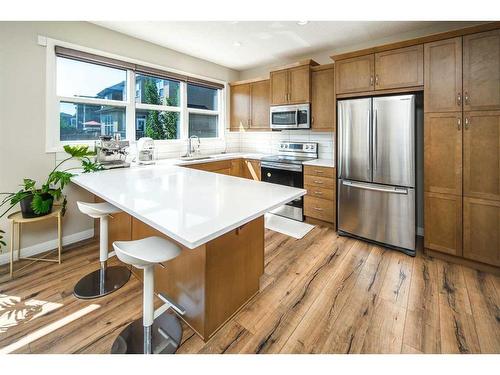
{"x": 296, "y": 117}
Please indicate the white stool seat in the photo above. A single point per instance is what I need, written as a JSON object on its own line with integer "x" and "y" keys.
{"x": 97, "y": 210}
{"x": 145, "y": 252}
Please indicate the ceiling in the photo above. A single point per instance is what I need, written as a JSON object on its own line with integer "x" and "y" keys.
{"x": 242, "y": 45}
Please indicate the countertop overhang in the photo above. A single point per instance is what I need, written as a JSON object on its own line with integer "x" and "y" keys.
{"x": 188, "y": 205}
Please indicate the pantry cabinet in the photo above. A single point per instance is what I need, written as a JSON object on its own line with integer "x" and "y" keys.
{"x": 481, "y": 71}
{"x": 443, "y": 76}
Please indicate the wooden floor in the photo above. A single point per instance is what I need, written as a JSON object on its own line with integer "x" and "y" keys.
{"x": 321, "y": 294}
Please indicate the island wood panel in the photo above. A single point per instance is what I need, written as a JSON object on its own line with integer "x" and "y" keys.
{"x": 215, "y": 280}
{"x": 481, "y": 71}
{"x": 355, "y": 74}
{"x": 482, "y": 230}
{"x": 443, "y": 76}
{"x": 443, "y": 153}
{"x": 403, "y": 67}
{"x": 240, "y": 107}
{"x": 323, "y": 105}
{"x": 481, "y": 153}
{"x": 443, "y": 223}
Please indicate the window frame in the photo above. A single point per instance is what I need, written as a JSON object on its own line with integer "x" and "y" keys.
{"x": 53, "y": 142}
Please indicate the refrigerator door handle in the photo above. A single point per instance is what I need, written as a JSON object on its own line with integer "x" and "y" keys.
{"x": 394, "y": 190}
{"x": 368, "y": 141}
{"x": 341, "y": 132}
{"x": 375, "y": 139}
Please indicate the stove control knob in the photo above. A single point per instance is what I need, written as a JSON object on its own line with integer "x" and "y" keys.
{"x": 268, "y": 174}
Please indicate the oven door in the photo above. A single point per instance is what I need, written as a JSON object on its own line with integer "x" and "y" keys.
{"x": 288, "y": 175}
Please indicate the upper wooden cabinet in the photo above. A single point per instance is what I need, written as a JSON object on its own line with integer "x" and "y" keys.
{"x": 403, "y": 67}
{"x": 443, "y": 153}
{"x": 240, "y": 107}
{"x": 291, "y": 85}
{"x": 481, "y": 71}
{"x": 259, "y": 105}
{"x": 249, "y": 105}
{"x": 323, "y": 98}
{"x": 355, "y": 74}
{"x": 443, "y": 76}
{"x": 481, "y": 152}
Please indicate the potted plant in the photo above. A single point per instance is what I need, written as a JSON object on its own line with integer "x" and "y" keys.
{"x": 37, "y": 201}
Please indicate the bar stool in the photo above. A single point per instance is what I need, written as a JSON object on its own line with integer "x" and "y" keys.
{"x": 106, "y": 279}
{"x": 158, "y": 331}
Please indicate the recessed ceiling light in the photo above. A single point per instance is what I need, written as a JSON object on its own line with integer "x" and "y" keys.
{"x": 302, "y": 23}
{"x": 237, "y": 44}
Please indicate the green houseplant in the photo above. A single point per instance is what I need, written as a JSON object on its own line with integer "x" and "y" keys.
{"x": 37, "y": 200}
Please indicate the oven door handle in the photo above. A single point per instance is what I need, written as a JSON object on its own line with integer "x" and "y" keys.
{"x": 287, "y": 167}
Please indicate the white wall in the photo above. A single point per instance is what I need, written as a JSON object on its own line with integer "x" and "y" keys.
{"x": 22, "y": 104}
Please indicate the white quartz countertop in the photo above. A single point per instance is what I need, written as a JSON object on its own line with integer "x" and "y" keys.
{"x": 188, "y": 205}
{"x": 320, "y": 163}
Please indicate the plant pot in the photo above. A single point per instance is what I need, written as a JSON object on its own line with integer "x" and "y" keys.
{"x": 28, "y": 212}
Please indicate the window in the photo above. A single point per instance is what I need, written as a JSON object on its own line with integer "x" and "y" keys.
{"x": 99, "y": 95}
{"x": 203, "y": 111}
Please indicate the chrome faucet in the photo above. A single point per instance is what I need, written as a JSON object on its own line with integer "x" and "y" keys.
{"x": 190, "y": 149}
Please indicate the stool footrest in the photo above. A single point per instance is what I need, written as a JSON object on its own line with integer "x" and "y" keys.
{"x": 178, "y": 308}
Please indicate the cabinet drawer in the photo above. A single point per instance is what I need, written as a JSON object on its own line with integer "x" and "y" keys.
{"x": 318, "y": 192}
{"x": 319, "y": 171}
{"x": 327, "y": 182}
{"x": 318, "y": 208}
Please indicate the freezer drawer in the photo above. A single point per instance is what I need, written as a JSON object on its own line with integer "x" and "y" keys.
{"x": 380, "y": 213}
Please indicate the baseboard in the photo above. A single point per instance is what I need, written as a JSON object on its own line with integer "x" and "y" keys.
{"x": 48, "y": 245}
{"x": 420, "y": 231}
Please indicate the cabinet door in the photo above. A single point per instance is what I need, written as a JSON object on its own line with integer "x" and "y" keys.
{"x": 403, "y": 67}
{"x": 251, "y": 170}
{"x": 323, "y": 100}
{"x": 236, "y": 165}
{"x": 482, "y": 154}
{"x": 355, "y": 75}
{"x": 482, "y": 71}
{"x": 443, "y": 76}
{"x": 259, "y": 105}
{"x": 443, "y": 223}
{"x": 279, "y": 87}
{"x": 482, "y": 230}
{"x": 240, "y": 107}
{"x": 299, "y": 85}
{"x": 443, "y": 153}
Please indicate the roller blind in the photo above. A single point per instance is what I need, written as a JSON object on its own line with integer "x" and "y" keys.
{"x": 141, "y": 69}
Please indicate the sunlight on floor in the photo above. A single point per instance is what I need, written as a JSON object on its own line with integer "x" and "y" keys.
{"x": 13, "y": 311}
{"x": 48, "y": 329}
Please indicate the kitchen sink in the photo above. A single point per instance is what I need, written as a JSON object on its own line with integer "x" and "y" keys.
{"x": 190, "y": 158}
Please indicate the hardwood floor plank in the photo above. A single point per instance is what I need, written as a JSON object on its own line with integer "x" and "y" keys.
{"x": 485, "y": 309}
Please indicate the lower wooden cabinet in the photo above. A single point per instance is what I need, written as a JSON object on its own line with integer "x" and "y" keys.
{"x": 482, "y": 230}
{"x": 251, "y": 169}
{"x": 319, "y": 208}
{"x": 319, "y": 202}
{"x": 443, "y": 223}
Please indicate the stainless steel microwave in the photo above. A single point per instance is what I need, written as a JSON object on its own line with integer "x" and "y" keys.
{"x": 290, "y": 117}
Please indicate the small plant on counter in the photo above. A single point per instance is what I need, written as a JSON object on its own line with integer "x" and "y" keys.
{"x": 37, "y": 201}
{"x": 2, "y": 242}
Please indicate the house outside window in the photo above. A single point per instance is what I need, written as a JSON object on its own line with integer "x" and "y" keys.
{"x": 94, "y": 99}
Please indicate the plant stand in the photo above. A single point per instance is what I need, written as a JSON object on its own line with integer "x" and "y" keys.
{"x": 17, "y": 218}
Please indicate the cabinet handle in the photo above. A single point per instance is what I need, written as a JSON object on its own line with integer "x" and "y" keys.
{"x": 459, "y": 123}
{"x": 466, "y": 98}
{"x": 318, "y": 209}
{"x": 459, "y": 99}
{"x": 371, "y": 80}
{"x": 312, "y": 120}
{"x": 318, "y": 182}
{"x": 467, "y": 123}
{"x": 318, "y": 193}
{"x": 318, "y": 171}
{"x": 376, "y": 79}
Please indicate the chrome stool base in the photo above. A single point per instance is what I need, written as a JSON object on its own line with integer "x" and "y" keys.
{"x": 101, "y": 282}
{"x": 166, "y": 336}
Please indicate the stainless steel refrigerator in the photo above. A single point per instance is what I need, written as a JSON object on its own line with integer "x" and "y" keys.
{"x": 376, "y": 170}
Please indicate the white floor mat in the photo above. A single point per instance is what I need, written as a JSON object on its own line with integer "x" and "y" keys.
{"x": 292, "y": 228}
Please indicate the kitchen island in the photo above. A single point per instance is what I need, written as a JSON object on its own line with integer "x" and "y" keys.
{"x": 216, "y": 219}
